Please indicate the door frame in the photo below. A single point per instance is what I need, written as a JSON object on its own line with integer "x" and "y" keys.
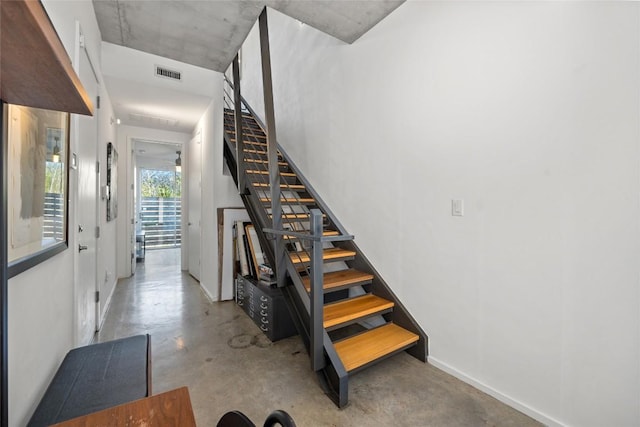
{"x": 80, "y": 49}
{"x": 194, "y": 142}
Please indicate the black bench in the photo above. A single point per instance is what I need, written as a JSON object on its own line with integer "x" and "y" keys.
{"x": 97, "y": 377}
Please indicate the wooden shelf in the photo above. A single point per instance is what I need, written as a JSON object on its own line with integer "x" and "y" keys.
{"x": 35, "y": 69}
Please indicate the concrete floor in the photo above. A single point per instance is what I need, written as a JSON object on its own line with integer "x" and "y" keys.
{"x": 227, "y": 363}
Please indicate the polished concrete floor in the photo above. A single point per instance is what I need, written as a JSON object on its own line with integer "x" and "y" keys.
{"x": 227, "y": 363}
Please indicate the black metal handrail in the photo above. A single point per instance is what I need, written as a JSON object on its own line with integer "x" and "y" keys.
{"x": 316, "y": 236}
{"x": 294, "y": 168}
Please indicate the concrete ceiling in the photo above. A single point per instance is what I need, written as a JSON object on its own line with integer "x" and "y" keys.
{"x": 198, "y": 38}
{"x": 209, "y": 33}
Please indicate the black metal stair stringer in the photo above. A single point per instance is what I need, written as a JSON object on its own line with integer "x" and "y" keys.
{"x": 255, "y": 211}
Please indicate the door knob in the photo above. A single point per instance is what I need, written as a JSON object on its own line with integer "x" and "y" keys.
{"x": 80, "y": 229}
{"x": 82, "y": 248}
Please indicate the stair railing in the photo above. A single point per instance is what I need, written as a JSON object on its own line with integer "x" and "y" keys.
{"x": 242, "y": 187}
{"x": 231, "y": 102}
{"x": 317, "y": 238}
{"x": 285, "y": 158}
{"x": 260, "y": 175}
{"x": 247, "y": 147}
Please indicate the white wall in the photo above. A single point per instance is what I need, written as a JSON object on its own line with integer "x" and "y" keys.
{"x": 41, "y": 300}
{"x": 126, "y": 180}
{"x": 218, "y": 190}
{"x": 529, "y": 112}
{"x": 107, "y": 259}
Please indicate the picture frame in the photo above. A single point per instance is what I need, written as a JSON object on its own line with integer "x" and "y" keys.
{"x": 111, "y": 190}
{"x": 254, "y": 245}
{"x": 37, "y": 144}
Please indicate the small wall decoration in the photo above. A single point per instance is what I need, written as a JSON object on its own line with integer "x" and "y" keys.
{"x": 112, "y": 180}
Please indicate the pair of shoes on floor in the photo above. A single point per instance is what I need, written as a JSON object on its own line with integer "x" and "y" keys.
{"x": 238, "y": 419}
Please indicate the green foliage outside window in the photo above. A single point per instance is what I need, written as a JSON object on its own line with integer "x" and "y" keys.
{"x": 162, "y": 184}
{"x": 54, "y": 175}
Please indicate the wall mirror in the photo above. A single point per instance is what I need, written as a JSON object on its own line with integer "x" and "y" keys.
{"x": 37, "y": 146}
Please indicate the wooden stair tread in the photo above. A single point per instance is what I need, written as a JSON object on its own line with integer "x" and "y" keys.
{"x": 289, "y": 200}
{"x": 328, "y": 254}
{"x": 229, "y": 112}
{"x": 324, "y": 233}
{"x": 250, "y": 134}
{"x": 231, "y": 126}
{"x": 261, "y": 152}
{"x": 289, "y": 186}
{"x": 265, "y": 161}
{"x": 374, "y": 344}
{"x": 339, "y": 279}
{"x": 250, "y": 142}
{"x": 259, "y": 172}
{"x": 352, "y": 309}
{"x": 295, "y": 216}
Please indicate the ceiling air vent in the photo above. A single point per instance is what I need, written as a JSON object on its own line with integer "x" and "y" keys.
{"x": 144, "y": 119}
{"x": 167, "y": 73}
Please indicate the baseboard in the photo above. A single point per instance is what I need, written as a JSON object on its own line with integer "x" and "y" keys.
{"x": 525, "y": 409}
{"x": 107, "y": 303}
{"x": 208, "y": 294}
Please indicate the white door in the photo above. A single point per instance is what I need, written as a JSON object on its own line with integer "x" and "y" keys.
{"x": 133, "y": 211}
{"x": 86, "y": 260}
{"x": 194, "y": 166}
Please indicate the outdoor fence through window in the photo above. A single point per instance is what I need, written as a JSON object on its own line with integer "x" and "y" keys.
{"x": 160, "y": 209}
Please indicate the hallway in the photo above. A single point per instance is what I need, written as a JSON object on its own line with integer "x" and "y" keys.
{"x": 227, "y": 363}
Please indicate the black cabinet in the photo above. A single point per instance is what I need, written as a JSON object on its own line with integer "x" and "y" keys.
{"x": 266, "y": 306}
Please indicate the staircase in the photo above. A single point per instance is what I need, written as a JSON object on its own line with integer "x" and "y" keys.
{"x": 361, "y": 322}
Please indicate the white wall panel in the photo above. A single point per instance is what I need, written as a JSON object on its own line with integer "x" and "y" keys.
{"x": 529, "y": 112}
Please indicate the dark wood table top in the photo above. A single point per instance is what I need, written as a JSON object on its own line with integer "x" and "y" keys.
{"x": 172, "y": 408}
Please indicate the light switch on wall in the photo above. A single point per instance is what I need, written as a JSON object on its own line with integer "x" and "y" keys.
{"x": 457, "y": 207}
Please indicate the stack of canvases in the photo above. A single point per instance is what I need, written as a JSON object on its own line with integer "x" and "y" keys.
{"x": 250, "y": 259}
